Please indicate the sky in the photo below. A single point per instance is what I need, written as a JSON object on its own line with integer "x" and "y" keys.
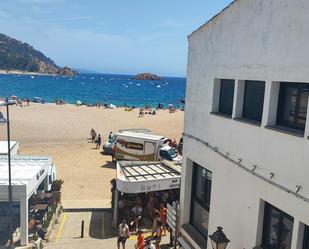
{"x": 110, "y": 36}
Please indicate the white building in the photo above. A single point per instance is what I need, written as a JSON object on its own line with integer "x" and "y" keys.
{"x": 246, "y": 147}
{"x": 27, "y": 174}
{"x": 4, "y": 148}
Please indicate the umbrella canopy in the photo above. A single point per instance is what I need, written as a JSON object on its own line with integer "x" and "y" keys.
{"x": 78, "y": 102}
{"x": 14, "y": 97}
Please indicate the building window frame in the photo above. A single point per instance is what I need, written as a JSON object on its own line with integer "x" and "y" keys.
{"x": 227, "y": 87}
{"x": 267, "y": 223}
{"x": 196, "y": 201}
{"x": 281, "y": 111}
{"x": 306, "y": 238}
{"x": 246, "y": 115}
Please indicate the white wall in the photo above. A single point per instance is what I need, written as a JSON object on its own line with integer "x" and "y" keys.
{"x": 251, "y": 40}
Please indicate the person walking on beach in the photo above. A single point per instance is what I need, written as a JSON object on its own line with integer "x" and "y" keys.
{"x": 93, "y": 135}
{"x": 110, "y": 135}
{"x": 123, "y": 234}
{"x": 99, "y": 140}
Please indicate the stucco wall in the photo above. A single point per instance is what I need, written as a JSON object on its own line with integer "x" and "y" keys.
{"x": 251, "y": 40}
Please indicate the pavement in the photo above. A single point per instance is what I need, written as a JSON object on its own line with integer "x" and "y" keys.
{"x": 98, "y": 232}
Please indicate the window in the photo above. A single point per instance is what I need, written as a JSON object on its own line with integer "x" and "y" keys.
{"x": 200, "y": 199}
{"x": 306, "y": 238}
{"x": 278, "y": 229}
{"x": 292, "y": 105}
{"x": 226, "y": 97}
{"x": 253, "y": 100}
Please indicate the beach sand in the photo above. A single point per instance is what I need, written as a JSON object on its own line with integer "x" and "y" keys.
{"x": 63, "y": 131}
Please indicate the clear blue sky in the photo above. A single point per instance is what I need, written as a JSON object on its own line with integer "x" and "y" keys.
{"x": 115, "y": 36}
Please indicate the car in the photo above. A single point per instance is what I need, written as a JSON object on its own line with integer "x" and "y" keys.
{"x": 108, "y": 146}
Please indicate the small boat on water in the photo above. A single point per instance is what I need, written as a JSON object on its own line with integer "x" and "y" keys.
{"x": 32, "y": 77}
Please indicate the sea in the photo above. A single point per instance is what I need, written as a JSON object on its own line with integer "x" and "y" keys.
{"x": 120, "y": 90}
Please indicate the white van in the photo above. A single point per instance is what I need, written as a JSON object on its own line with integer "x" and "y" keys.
{"x": 136, "y": 146}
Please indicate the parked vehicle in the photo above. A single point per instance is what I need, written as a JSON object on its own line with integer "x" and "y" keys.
{"x": 110, "y": 143}
{"x": 143, "y": 147}
{"x": 108, "y": 146}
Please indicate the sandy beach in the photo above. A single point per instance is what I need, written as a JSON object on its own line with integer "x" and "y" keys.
{"x": 63, "y": 131}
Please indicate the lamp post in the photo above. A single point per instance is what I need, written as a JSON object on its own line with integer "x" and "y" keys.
{"x": 218, "y": 239}
{"x": 6, "y": 121}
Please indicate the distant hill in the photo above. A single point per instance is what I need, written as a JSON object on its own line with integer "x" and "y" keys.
{"x": 16, "y": 55}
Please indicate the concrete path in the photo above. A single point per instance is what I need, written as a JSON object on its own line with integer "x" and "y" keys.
{"x": 98, "y": 233}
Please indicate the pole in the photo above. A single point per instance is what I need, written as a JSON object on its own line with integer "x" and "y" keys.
{"x": 10, "y": 177}
{"x": 82, "y": 230}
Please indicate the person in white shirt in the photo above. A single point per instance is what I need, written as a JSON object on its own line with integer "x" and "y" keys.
{"x": 123, "y": 234}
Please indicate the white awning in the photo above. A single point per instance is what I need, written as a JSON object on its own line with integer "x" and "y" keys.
{"x": 140, "y": 177}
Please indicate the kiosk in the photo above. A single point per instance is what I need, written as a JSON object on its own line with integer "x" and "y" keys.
{"x": 141, "y": 177}
{"x": 28, "y": 173}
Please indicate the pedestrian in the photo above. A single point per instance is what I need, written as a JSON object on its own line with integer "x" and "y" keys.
{"x": 123, "y": 234}
{"x": 140, "y": 240}
{"x": 158, "y": 236}
{"x": 148, "y": 244}
{"x": 93, "y": 135}
{"x": 113, "y": 153}
{"x": 98, "y": 141}
{"x": 163, "y": 217}
{"x": 110, "y": 135}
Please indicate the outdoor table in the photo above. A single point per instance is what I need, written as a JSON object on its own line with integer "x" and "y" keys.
{"x": 39, "y": 207}
{"x": 45, "y": 195}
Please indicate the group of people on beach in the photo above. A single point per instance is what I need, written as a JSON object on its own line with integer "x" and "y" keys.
{"x": 95, "y": 138}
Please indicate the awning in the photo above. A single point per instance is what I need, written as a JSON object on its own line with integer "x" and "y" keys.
{"x": 140, "y": 177}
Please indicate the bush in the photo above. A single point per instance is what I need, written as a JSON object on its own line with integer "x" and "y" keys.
{"x": 56, "y": 185}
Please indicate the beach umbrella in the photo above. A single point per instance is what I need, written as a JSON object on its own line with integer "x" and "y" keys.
{"x": 78, "y": 102}
{"x": 170, "y": 105}
{"x": 14, "y": 97}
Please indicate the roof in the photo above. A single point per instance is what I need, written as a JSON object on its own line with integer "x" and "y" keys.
{"x": 4, "y": 146}
{"x": 139, "y": 177}
{"x": 215, "y": 16}
{"x": 23, "y": 169}
{"x": 141, "y": 135}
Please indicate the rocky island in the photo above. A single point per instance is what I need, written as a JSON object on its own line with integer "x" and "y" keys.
{"x": 147, "y": 76}
{"x": 18, "y": 57}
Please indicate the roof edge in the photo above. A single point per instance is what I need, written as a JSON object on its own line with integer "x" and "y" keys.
{"x": 211, "y": 19}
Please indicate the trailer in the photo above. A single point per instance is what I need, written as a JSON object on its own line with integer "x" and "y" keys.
{"x": 136, "y": 146}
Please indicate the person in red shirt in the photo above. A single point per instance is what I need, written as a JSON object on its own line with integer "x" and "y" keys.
{"x": 140, "y": 240}
{"x": 163, "y": 217}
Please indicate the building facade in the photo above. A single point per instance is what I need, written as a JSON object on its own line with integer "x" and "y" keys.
{"x": 246, "y": 139}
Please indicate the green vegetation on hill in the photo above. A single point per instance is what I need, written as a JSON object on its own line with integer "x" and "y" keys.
{"x": 16, "y": 55}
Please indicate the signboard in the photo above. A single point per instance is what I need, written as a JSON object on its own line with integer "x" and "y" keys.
{"x": 172, "y": 216}
{"x": 172, "y": 219}
{"x": 147, "y": 186}
{"x": 134, "y": 146}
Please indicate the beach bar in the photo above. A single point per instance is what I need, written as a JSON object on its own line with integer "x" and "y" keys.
{"x": 136, "y": 177}
{"x": 28, "y": 174}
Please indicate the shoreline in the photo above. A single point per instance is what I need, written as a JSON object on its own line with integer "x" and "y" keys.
{"x": 18, "y": 72}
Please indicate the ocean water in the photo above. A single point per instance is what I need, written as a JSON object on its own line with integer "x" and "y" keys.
{"x": 92, "y": 88}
